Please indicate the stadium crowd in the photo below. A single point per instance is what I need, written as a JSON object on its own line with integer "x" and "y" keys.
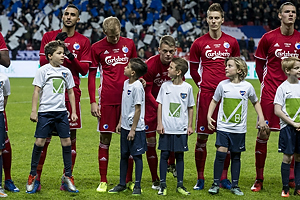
{"x": 147, "y": 18}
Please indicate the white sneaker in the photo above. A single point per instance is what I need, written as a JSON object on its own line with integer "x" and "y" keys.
{"x": 2, "y": 193}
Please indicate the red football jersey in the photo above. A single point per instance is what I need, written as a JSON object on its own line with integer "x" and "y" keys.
{"x": 79, "y": 45}
{"x": 211, "y": 54}
{"x": 111, "y": 60}
{"x": 3, "y": 46}
{"x": 273, "y": 47}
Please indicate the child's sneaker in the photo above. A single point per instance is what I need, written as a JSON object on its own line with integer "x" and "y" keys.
{"x": 257, "y": 186}
{"x": 102, "y": 187}
{"x": 32, "y": 185}
{"x": 225, "y": 183}
{"x": 10, "y": 186}
{"x": 117, "y": 189}
{"x": 214, "y": 189}
{"x": 137, "y": 191}
{"x": 199, "y": 185}
{"x": 237, "y": 191}
{"x": 2, "y": 193}
{"x": 68, "y": 184}
{"x": 182, "y": 190}
{"x": 285, "y": 191}
{"x": 155, "y": 185}
{"x": 130, "y": 185}
{"x": 297, "y": 190}
{"x": 162, "y": 191}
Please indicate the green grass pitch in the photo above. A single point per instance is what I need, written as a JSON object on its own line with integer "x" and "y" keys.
{"x": 86, "y": 172}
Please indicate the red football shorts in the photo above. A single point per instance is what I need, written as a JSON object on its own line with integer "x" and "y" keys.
{"x": 110, "y": 116}
{"x": 77, "y": 124}
{"x": 203, "y": 101}
{"x": 268, "y": 110}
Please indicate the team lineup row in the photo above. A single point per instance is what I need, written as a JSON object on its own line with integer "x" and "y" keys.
{"x": 113, "y": 53}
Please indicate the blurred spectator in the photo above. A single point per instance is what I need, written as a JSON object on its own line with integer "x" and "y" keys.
{"x": 242, "y": 43}
{"x": 251, "y": 45}
{"x": 148, "y": 53}
{"x": 141, "y": 53}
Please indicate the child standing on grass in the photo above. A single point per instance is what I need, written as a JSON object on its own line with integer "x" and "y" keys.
{"x": 232, "y": 120}
{"x": 174, "y": 122}
{"x": 50, "y": 83}
{"x": 4, "y": 92}
{"x": 287, "y": 107}
{"x": 132, "y": 125}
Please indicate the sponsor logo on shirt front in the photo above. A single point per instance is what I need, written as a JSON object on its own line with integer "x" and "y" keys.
{"x": 109, "y": 60}
{"x": 279, "y": 53}
{"x": 210, "y": 54}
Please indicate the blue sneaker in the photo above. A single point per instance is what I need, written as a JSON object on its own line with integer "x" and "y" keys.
{"x": 32, "y": 185}
{"x": 199, "y": 185}
{"x": 225, "y": 183}
{"x": 10, "y": 186}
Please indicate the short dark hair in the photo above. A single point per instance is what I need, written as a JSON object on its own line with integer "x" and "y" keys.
{"x": 52, "y": 46}
{"x": 139, "y": 66}
{"x": 72, "y": 6}
{"x": 181, "y": 64}
{"x": 285, "y": 4}
{"x": 168, "y": 40}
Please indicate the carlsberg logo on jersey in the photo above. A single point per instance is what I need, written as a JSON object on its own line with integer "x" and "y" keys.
{"x": 293, "y": 108}
{"x": 210, "y": 54}
{"x": 232, "y": 110}
{"x": 109, "y": 60}
{"x": 58, "y": 85}
{"x": 283, "y": 54}
{"x": 174, "y": 110}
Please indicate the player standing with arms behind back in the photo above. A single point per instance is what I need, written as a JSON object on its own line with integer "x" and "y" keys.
{"x": 111, "y": 55}
{"x": 209, "y": 52}
{"x": 274, "y": 46}
{"x": 78, "y": 52}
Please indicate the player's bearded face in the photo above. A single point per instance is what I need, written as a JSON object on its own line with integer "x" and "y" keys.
{"x": 70, "y": 17}
{"x": 214, "y": 20}
{"x": 166, "y": 53}
{"x": 288, "y": 14}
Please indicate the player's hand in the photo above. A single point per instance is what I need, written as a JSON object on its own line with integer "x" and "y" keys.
{"x": 210, "y": 122}
{"x": 131, "y": 135}
{"x": 69, "y": 54}
{"x": 297, "y": 126}
{"x": 118, "y": 129}
{"x": 61, "y": 36}
{"x": 74, "y": 117}
{"x": 160, "y": 129}
{"x": 190, "y": 131}
{"x": 95, "y": 111}
{"x": 33, "y": 117}
{"x": 143, "y": 82}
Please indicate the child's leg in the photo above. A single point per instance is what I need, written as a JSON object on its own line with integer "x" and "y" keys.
{"x": 179, "y": 167}
{"x": 36, "y": 153}
{"x": 235, "y": 168}
{"x": 163, "y": 165}
{"x": 138, "y": 169}
{"x": 1, "y": 164}
{"x": 67, "y": 155}
{"x": 219, "y": 164}
{"x": 285, "y": 169}
{"x": 123, "y": 168}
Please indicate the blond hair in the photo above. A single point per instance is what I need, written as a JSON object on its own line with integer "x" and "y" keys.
{"x": 288, "y": 63}
{"x": 241, "y": 65}
{"x": 217, "y": 8}
{"x": 168, "y": 40}
{"x": 110, "y": 24}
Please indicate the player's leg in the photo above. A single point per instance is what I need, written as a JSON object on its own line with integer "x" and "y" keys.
{"x": 200, "y": 159}
{"x": 225, "y": 183}
{"x": 292, "y": 174}
{"x": 42, "y": 159}
{"x": 152, "y": 158}
{"x": 171, "y": 164}
{"x": 2, "y": 145}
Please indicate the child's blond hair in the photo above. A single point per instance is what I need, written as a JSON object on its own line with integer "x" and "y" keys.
{"x": 241, "y": 65}
{"x": 288, "y": 63}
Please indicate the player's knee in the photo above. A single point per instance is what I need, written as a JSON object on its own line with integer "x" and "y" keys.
{"x": 202, "y": 137}
{"x": 297, "y": 157}
{"x": 105, "y": 138}
{"x": 151, "y": 140}
{"x": 264, "y": 134}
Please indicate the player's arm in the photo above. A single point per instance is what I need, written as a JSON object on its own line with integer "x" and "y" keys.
{"x": 149, "y": 96}
{"x": 211, "y": 109}
{"x": 259, "y": 68}
{"x": 160, "y": 127}
{"x": 95, "y": 111}
{"x": 261, "y": 120}
{"x": 80, "y": 67}
{"x": 118, "y": 128}
{"x": 278, "y": 111}
{"x": 4, "y": 58}
{"x": 136, "y": 118}
{"x": 194, "y": 73}
{"x": 35, "y": 99}
{"x": 71, "y": 95}
{"x": 190, "y": 125}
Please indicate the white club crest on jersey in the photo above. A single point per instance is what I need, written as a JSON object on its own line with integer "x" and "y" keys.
{"x": 216, "y": 54}
{"x": 285, "y": 54}
{"x": 109, "y": 60}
